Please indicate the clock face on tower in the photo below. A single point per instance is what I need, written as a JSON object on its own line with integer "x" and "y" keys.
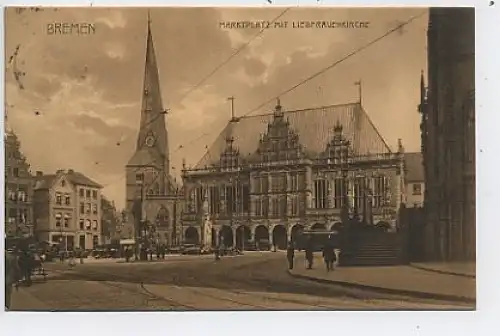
{"x": 150, "y": 141}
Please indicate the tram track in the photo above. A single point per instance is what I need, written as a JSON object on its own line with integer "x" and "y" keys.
{"x": 142, "y": 291}
{"x": 177, "y": 281}
{"x": 246, "y": 286}
{"x": 180, "y": 282}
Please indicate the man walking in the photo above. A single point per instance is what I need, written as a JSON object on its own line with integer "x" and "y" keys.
{"x": 310, "y": 253}
{"x": 26, "y": 265}
{"x": 12, "y": 276}
{"x": 290, "y": 254}
{"x": 329, "y": 256}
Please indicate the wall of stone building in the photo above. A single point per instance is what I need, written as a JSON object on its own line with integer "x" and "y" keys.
{"x": 451, "y": 79}
{"x": 414, "y": 200}
{"x": 41, "y": 211}
{"x": 133, "y": 188}
{"x": 151, "y": 209}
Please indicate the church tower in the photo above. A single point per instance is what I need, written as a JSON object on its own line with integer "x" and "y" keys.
{"x": 148, "y": 169}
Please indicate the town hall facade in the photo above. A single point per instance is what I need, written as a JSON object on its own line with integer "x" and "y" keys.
{"x": 265, "y": 178}
{"x": 268, "y": 177}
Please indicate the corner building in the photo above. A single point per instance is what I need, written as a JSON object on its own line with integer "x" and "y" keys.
{"x": 67, "y": 209}
{"x": 448, "y": 135}
{"x": 268, "y": 177}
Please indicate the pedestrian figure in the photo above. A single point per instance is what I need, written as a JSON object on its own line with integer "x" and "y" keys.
{"x": 163, "y": 251}
{"x": 329, "y": 256}
{"x": 309, "y": 254}
{"x": 158, "y": 253}
{"x": 127, "y": 254}
{"x": 26, "y": 266}
{"x": 72, "y": 262}
{"x": 290, "y": 254}
{"x": 12, "y": 276}
{"x": 217, "y": 253}
{"x": 80, "y": 255}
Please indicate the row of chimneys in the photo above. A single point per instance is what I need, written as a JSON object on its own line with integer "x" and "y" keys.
{"x": 40, "y": 173}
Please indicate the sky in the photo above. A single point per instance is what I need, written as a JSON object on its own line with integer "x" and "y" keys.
{"x": 77, "y": 102}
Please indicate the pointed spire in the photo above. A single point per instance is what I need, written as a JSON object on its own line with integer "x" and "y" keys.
{"x": 337, "y": 129}
{"x": 205, "y": 207}
{"x": 401, "y": 148}
{"x": 278, "y": 112}
{"x": 229, "y": 142}
{"x": 152, "y": 111}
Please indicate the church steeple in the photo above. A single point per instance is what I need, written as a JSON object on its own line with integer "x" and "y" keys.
{"x": 153, "y": 133}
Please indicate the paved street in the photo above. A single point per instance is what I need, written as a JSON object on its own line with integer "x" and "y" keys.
{"x": 255, "y": 281}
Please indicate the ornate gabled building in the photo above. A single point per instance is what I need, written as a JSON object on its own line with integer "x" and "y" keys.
{"x": 152, "y": 194}
{"x": 268, "y": 176}
{"x": 18, "y": 189}
{"x": 448, "y": 135}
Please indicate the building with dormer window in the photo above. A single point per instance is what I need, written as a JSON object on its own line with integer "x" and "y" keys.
{"x": 267, "y": 177}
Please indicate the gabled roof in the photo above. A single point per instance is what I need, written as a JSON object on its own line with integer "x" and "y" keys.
{"x": 44, "y": 181}
{"x": 74, "y": 177}
{"x": 314, "y": 126}
{"x": 414, "y": 167}
{"x": 78, "y": 178}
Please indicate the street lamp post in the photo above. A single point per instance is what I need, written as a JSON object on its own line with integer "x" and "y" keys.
{"x": 138, "y": 215}
{"x": 173, "y": 237}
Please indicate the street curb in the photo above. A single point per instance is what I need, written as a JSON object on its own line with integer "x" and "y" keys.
{"x": 428, "y": 269}
{"x": 422, "y": 295}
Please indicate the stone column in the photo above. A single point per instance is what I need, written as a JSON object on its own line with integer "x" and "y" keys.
{"x": 271, "y": 228}
{"x": 309, "y": 187}
{"x": 289, "y": 195}
{"x": 234, "y": 236}
{"x": 217, "y": 233}
{"x": 330, "y": 191}
{"x": 252, "y": 233}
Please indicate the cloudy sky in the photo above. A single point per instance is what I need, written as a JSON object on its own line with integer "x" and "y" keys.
{"x": 77, "y": 102}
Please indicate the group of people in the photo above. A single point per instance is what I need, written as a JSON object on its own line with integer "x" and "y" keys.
{"x": 145, "y": 253}
{"x": 329, "y": 255}
{"x": 19, "y": 267}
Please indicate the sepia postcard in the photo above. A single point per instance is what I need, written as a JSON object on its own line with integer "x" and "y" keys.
{"x": 251, "y": 158}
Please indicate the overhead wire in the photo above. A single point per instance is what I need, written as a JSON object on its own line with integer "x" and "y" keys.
{"x": 332, "y": 65}
{"x": 203, "y": 80}
{"x": 226, "y": 61}
{"x": 329, "y": 67}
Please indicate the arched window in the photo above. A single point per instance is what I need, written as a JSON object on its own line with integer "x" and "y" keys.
{"x": 162, "y": 218}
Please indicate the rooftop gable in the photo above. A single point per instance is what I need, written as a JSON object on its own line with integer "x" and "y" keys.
{"x": 314, "y": 127}
{"x": 76, "y": 178}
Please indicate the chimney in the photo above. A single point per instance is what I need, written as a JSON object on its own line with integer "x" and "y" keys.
{"x": 39, "y": 173}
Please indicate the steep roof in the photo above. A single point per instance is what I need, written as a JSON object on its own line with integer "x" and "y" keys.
{"x": 314, "y": 126}
{"x": 44, "y": 181}
{"x": 414, "y": 167}
{"x": 76, "y": 178}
